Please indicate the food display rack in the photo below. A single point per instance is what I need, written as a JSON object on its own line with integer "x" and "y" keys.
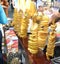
{"x": 38, "y": 58}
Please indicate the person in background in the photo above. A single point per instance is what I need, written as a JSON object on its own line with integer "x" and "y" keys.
{"x": 55, "y": 16}
{"x": 14, "y": 4}
{"x": 52, "y": 2}
{"x": 45, "y": 2}
{"x": 48, "y": 11}
{"x": 3, "y": 20}
{"x": 1, "y": 56}
{"x": 40, "y": 9}
{"x": 8, "y": 1}
{"x": 5, "y": 5}
{"x": 12, "y": 7}
{"x": 39, "y": 3}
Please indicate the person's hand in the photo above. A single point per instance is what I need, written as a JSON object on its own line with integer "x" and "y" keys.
{"x": 3, "y": 25}
{"x": 4, "y": 6}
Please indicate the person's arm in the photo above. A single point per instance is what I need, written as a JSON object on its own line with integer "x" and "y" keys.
{"x": 53, "y": 17}
{"x": 13, "y": 3}
{"x": 3, "y": 18}
{"x": 5, "y": 6}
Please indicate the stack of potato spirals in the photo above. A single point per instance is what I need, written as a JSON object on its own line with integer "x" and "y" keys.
{"x": 23, "y": 27}
{"x": 43, "y": 32}
{"x": 33, "y": 39}
{"x": 51, "y": 42}
{"x": 17, "y": 20}
{"x": 20, "y": 23}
